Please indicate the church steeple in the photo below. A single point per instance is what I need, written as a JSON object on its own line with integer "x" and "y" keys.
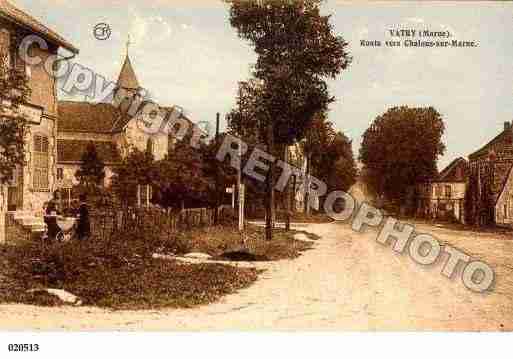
{"x": 127, "y": 78}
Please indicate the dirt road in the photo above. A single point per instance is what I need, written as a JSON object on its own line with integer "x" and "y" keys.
{"x": 347, "y": 282}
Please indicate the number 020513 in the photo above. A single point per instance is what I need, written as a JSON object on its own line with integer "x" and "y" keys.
{"x": 23, "y": 347}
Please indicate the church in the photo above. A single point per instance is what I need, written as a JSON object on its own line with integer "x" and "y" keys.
{"x": 105, "y": 126}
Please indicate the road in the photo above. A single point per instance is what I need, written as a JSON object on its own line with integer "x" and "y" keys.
{"x": 347, "y": 282}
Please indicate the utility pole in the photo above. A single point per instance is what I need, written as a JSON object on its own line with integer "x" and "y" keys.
{"x": 240, "y": 184}
{"x": 216, "y": 211}
{"x": 287, "y": 196}
{"x": 270, "y": 190}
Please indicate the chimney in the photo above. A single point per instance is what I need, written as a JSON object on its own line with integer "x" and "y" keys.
{"x": 507, "y": 126}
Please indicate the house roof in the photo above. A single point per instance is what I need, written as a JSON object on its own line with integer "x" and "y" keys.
{"x": 71, "y": 151}
{"x": 503, "y": 137}
{"x": 21, "y": 18}
{"x": 87, "y": 117}
{"x": 127, "y": 78}
{"x": 456, "y": 171}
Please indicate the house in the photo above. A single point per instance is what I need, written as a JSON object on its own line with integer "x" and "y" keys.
{"x": 32, "y": 183}
{"x": 490, "y": 194}
{"x": 444, "y": 197}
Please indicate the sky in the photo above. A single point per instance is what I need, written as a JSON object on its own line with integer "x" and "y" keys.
{"x": 185, "y": 53}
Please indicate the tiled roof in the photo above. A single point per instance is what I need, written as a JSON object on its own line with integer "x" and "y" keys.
{"x": 504, "y": 139}
{"x": 127, "y": 78}
{"x": 87, "y": 117}
{"x": 99, "y": 118}
{"x": 71, "y": 151}
{"x": 456, "y": 171}
{"x": 19, "y": 17}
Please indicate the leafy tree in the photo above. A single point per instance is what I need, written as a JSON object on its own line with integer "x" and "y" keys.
{"x": 92, "y": 169}
{"x": 181, "y": 178}
{"x": 14, "y": 91}
{"x": 401, "y": 148}
{"x": 329, "y": 155}
{"x": 217, "y": 172}
{"x": 138, "y": 168}
{"x": 296, "y": 51}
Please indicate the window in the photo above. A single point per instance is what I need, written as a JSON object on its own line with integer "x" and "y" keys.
{"x": 505, "y": 211}
{"x": 60, "y": 174}
{"x": 438, "y": 191}
{"x": 40, "y": 176}
{"x": 448, "y": 191}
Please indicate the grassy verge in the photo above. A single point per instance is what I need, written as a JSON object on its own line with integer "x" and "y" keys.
{"x": 122, "y": 274}
{"x": 220, "y": 241}
{"x": 296, "y": 217}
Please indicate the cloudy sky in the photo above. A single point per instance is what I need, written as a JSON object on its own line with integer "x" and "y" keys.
{"x": 185, "y": 53}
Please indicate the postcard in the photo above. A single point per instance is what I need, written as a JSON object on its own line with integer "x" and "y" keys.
{"x": 290, "y": 166}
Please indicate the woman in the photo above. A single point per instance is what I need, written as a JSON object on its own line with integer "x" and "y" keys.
{"x": 50, "y": 218}
{"x": 83, "y": 225}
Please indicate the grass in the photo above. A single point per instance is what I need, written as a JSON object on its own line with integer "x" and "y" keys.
{"x": 296, "y": 217}
{"x": 121, "y": 273}
{"x": 221, "y": 240}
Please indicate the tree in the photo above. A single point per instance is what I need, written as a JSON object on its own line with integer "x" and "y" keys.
{"x": 14, "y": 91}
{"x": 137, "y": 169}
{"x": 329, "y": 155}
{"x": 296, "y": 51}
{"x": 181, "y": 178}
{"x": 401, "y": 148}
{"x": 92, "y": 169}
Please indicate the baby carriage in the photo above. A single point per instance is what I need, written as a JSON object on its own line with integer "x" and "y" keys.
{"x": 67, "y": 227}
{"x": 59, "y": 227}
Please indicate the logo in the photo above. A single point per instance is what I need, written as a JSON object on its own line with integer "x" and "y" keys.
{"x": 102, "y": 31}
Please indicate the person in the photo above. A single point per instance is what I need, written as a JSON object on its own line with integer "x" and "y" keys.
{"x": 83, "y": 225}
{"x": 51, "y": 218}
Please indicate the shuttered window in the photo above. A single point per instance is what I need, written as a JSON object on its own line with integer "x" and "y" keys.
{"x": 41, "y": 163}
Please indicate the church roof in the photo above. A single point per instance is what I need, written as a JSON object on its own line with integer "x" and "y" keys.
{"x": 71, "y": 151}
{"x": 127, "y": 78}
{"x": 87, "y": 117}
{"x": 22, "y": 19}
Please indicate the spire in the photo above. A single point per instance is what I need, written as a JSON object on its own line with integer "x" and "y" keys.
{"x": 127, "y": 78}
{"x": 128, "y": 43}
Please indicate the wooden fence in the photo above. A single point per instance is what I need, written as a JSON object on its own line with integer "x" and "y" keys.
{"x": 107, "y": 222}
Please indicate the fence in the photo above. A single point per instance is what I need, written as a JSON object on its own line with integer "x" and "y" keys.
{"x": 107, "y": 222}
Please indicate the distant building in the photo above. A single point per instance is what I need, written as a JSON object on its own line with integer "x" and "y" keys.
{"x": 490, "y": 194}
{"x": 444, "y": 197}
{"x": 103, "y": 124}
